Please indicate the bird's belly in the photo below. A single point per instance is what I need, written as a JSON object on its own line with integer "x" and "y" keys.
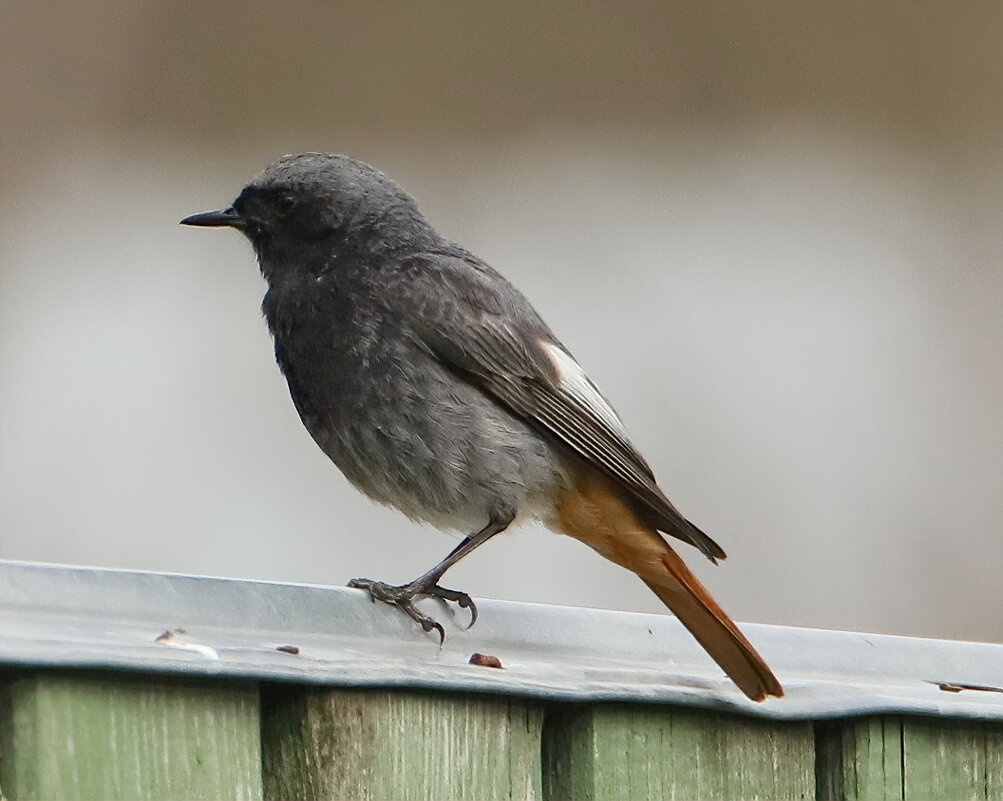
{"x": 438, "y": 450}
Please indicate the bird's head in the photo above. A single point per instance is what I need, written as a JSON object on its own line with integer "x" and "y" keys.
{"x": 320, "y": 204}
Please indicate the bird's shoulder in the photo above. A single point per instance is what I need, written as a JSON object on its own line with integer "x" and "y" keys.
{"x": 453, "y": 275}
{"x": 466, "y": 310}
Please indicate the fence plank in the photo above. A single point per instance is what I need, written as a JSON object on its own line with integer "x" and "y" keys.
{"x": 909, "y": 758}
{"x": 625, "y": 751}
{"x": 400, "y": 744}
{"x": 860, "y": 758}
{"x": 952, "y": 759}
{"x": 114, "y": 736}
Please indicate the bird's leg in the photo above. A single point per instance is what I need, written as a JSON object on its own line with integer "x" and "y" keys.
{"x": 427, "y": 584}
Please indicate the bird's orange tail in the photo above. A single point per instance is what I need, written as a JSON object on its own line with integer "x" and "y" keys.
{"x": 594, "y": 513}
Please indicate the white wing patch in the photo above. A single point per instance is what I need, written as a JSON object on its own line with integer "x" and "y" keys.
{"x": 580, "y": 387}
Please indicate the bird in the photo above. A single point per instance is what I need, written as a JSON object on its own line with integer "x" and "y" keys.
{"x": 437, "y": 389}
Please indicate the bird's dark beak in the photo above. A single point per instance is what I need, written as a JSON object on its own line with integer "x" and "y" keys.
{"x": 216, "y": 219}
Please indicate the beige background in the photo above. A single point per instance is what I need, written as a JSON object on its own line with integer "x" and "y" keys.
{"x": 771, "y": 232}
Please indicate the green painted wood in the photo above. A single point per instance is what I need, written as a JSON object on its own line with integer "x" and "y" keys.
{"x": 909, "y": 759}
{"x": 399, "y": 744}
{"x": 952, "y": 759}
{"x": 107, "y": 736}
{"x": 859, "y": 758}
{"x": 627, "y": 751}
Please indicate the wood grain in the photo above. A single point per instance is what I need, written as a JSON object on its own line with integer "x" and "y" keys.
{"x": 952, "y": 759}
{"x": 860, "y": 758}
{"x": 909, "y": 759}
{"x": 114, "y": 736}
{"x": 399, "y": 744}
{"x": 628, "y": 751}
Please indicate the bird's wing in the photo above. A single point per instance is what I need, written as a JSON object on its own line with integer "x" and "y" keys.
{"x": 470, "y": 318}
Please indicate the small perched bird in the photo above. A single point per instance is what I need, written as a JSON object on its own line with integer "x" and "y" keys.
{"x": 435, "y": 387}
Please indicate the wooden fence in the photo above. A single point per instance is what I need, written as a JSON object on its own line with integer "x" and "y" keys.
{"x": 131, "y": 686}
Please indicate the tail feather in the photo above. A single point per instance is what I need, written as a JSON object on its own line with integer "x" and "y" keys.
{"x": 595, "y": 513}
{"x": 686, "y": 597}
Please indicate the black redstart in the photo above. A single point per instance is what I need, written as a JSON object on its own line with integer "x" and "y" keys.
{"x": 436, "y": 388}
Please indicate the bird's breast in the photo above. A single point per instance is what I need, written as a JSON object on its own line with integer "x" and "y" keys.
{"x": 404, "y": 428}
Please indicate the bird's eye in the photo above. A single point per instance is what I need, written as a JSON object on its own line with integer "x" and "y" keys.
{"x": 285, "y": 203}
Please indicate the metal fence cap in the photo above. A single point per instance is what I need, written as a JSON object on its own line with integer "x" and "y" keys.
{"x": 54, "y": 616}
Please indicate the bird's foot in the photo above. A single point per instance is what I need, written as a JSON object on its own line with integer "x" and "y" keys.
{"x": 404, "y": 596}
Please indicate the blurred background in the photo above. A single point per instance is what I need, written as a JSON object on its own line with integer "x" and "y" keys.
{"x": 770, "y": 232}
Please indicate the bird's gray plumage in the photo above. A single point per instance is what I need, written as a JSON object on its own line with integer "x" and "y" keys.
{"x": 484, "y": 328}
{"x": 385, "y": 408}
{"x": 436, "y": 388}
{"x": 419, "y": 370}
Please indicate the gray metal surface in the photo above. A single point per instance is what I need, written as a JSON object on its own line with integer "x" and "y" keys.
{"x": 78, "y": 617}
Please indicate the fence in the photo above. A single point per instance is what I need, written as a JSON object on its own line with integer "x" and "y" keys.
{"x": 144, "y": 686}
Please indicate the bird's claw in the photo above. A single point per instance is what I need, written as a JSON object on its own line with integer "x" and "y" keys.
{"x": 461, "y": 599}
{"x": 403, "y": 598}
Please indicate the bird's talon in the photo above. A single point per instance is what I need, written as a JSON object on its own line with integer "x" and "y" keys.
{"x": 403, "y": 598}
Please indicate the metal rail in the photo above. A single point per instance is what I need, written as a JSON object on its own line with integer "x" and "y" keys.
{"x": 80, "y": 617}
